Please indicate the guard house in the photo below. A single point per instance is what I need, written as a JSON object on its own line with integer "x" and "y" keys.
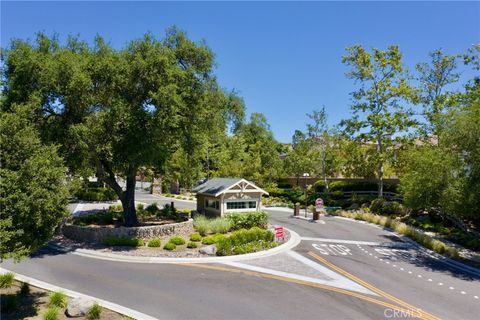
{"x": 222, "y": 195}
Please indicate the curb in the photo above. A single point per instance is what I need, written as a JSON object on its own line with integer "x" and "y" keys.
{"x": 291, "y": 243}
{"x": 174, "y": 199}
{"x": 74, "y": 294}
{"x": 430, "y": 253}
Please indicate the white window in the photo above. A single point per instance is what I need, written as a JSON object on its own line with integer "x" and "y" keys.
{"x": 241, "y": 205}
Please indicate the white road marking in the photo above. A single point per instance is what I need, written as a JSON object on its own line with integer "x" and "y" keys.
{"x": 419, "y": 276}
{"x": 451, "y": 288}
{"x": 463, "y": 292}
{"x": 335, "y": 279}
{"x": 440, "y": 284}
{"x": 476, "y": 297}
{"x": 367, "y": 243}
{"x": 430, "y": 280}
{"x": 402, "y": 269}
{"x": 410, "y": 272}
{"x": 387, "y": 262}
{"x": 333, "y": 249}
{"x": 394, "y": 265}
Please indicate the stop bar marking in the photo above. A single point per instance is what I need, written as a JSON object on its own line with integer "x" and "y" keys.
{"x": 366, "y": 243}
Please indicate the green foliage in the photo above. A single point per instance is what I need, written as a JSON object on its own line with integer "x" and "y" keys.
{"x": 140, "y": 206}
{"x": 57, "y": 299}
{"x": 192, "y": 245}
{"x": 6, "y": 280}
{"x": 101, "y": 218}
{"x": 97, "y": 194}
{"x": 94, "y": 312}
{"x": 220, "y": 225}
{"x": 152, "y": 209}
{"x": 169, "y": 246}
{"x": 389, "y": 208}
{"x": 248, "y": 220}
{"x": 123, "y": 241}
{"x": 177, "y": 240}
{"x": 51, "y": 313}
{"x": 201, "y": 224}
{"x": 213, "y": 239}
{"x": 378, "y": 114}
{"x": 245, "y": 241}
{"x": 25, "y": 289}
{"x": 196, "y": 237}
{"x": 34, "y": 196}
{"x": 154, "y": 243}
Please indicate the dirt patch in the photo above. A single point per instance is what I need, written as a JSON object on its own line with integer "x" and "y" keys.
{"x": 34, "y": 305}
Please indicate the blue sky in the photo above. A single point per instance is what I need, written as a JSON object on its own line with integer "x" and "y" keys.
{"x": 284, "y": 58}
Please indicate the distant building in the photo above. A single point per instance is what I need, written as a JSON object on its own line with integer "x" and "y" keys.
{"x": 221, "y": 195}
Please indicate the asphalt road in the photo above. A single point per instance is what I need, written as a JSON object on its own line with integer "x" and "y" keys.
{"x": 400, "y": 275}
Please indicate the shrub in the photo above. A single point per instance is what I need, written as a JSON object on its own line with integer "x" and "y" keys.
{"x": 248, "y": 220}
{"x": 167, "y": 212}
{"x": 381, "y": 206}
{"x": 152, "y": 209}
{"x": 6, "y": 280}
{"x": 192, "y": 245}
{"x": 154, "y": 243}
{"x": 10, "y": 302}
{"x": 213, "y": 239}
{"x": 25, "y": 289}
{"x": 195, "y": 237}
{"x": 94, "y": 312}
{"x": 220, "y": 225}
{"x": 123, "y": 241}
{"x": 169, "y": 246}
{"x": 58, "y": 299}
{"x": 244, "y": 241}
{"x": 140, "y": 206}
{"x": 177, "y": 240}
{"x": 201, "y": 224}
{"x": 51, "y": 313}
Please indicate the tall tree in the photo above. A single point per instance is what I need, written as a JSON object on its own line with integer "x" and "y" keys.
{"x": 318, "y": 132}
{"x": 33, "y": 195}
{"x": 378, "y": 115}
{"x": 119, "y": 110}
{"x": 434, "y": 78}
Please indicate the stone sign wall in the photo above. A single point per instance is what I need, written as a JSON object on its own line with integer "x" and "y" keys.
{"x": 97, "y": 234}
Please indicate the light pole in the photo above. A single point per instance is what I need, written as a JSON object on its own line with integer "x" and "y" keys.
{"x": 306, "y": 175}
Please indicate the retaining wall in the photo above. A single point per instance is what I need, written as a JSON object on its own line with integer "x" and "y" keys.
{"x": 97, "y": 234}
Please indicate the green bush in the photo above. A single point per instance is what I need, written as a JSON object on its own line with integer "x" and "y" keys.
{"x": 168, "y": 212}
{"x": 177, "y": 240}
{"x": 97, "y": 194}
{"x": 220, "y": 225}
{"x": 140, "y": 206}
{"x": 152, "y": 209}
{"x": 51, "y": 313}
{"x": 213, "y": 239}
{"x": 192, "y": 245}
{"x": 123, "y": 241}
{"x": 195, "y": 237}
{"x": 389, "y": 208}
{"x": 244, "y": 241}
{"x": 25, "y": 289}
{"x": 169, "y": 246}
{"x": 94, "y": 312}
{"x": 248, "y": 220}
{"x": 154, "y": 243}
{"x": 58, "y": 299}
{"x": 103, "y": 218}
{"x": 201, "y": 225}
{"x": 6, "y": 280}
{"x": 10, "y": 302}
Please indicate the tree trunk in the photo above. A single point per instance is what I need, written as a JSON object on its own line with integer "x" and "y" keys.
{"x": 128, "y": 202}
{"x": 380, "y": 168}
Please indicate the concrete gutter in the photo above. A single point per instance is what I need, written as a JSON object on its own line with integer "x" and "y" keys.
{"x": 74, "y": 294}
{"x": 291, "y": 243}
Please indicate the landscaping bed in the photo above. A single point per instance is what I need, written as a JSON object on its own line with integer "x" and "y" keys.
{"x": 23, "y": 301}
{"x": 234, "y": 234}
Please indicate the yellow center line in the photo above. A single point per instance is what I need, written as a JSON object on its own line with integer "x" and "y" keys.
{"x": 424, "y": 314}
{"x": 302, "y": 282}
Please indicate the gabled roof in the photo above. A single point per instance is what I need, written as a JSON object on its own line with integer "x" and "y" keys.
{"x": 217, "y": 186}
